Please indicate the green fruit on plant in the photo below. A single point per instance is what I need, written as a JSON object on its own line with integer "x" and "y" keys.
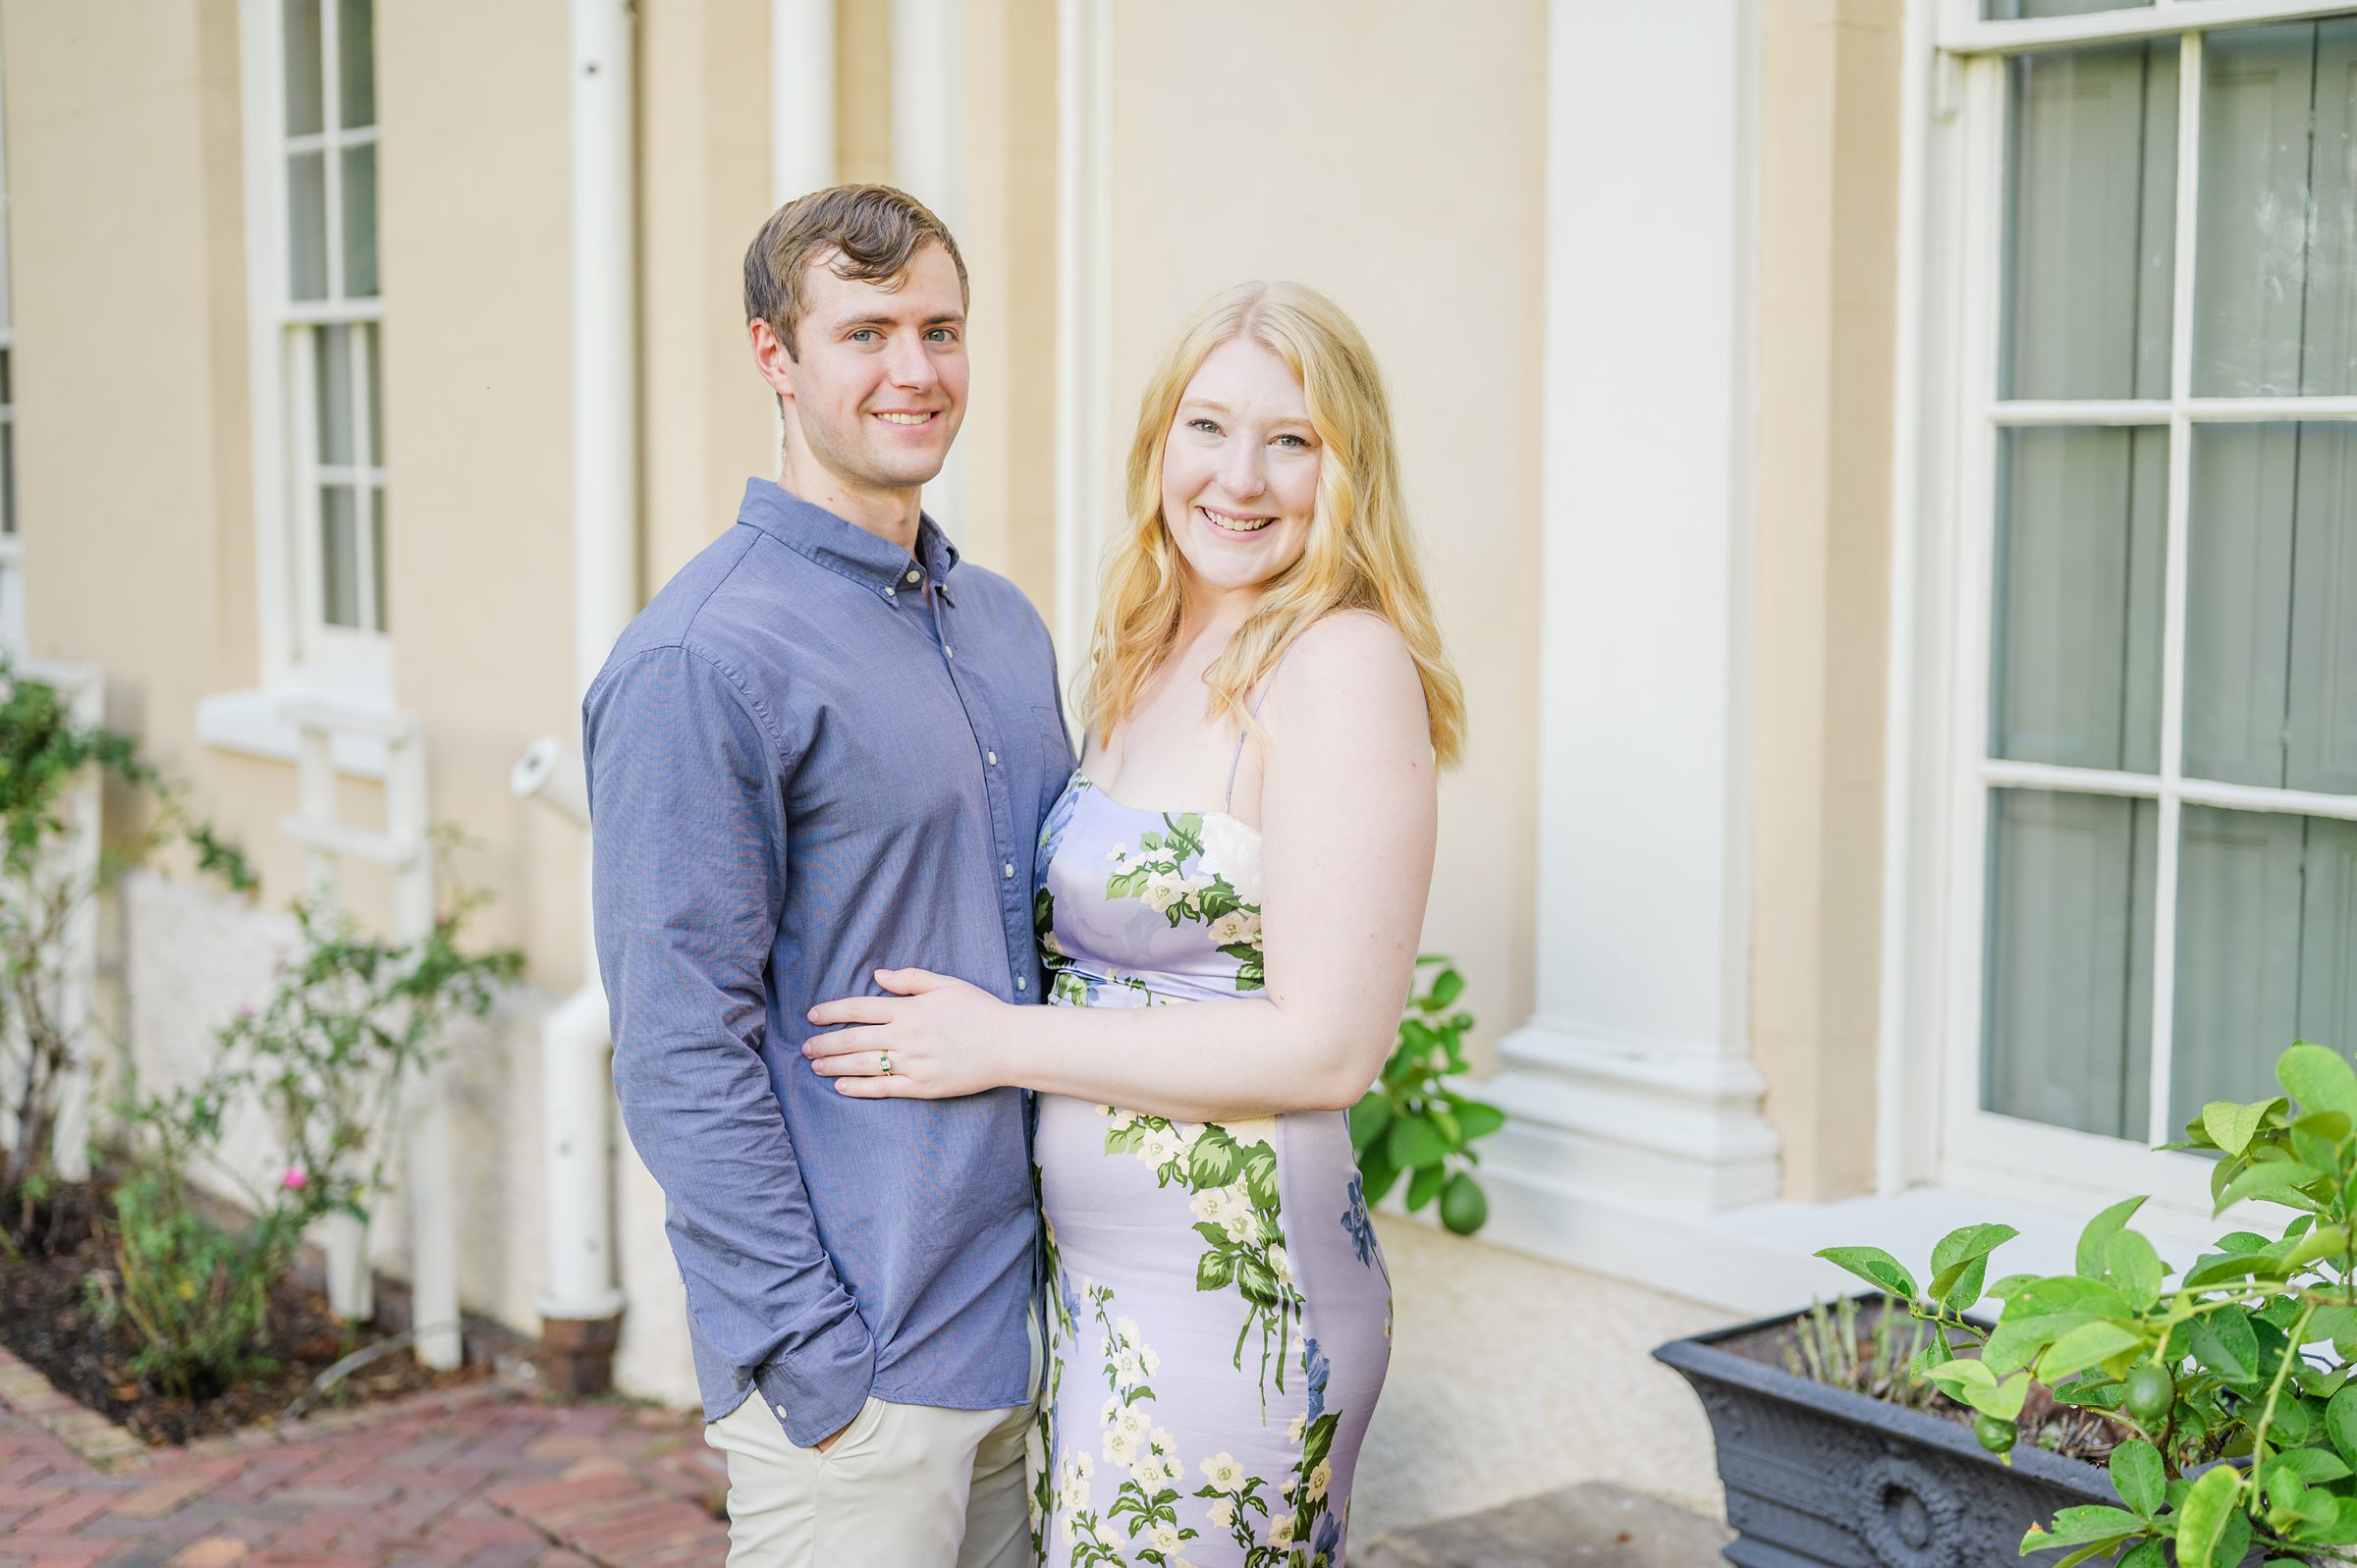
{"x": 1996, "y": 1432}
{"x": 1464, "y": 1207}
{"x": 2151, "y": 1393}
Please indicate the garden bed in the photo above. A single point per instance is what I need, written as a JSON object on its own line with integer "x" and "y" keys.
{"x": 46, "y": 1320}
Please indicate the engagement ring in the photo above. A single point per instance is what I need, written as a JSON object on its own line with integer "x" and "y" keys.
{"x": 884, "y": 1062}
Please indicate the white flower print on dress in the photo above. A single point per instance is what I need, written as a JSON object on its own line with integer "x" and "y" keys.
{"x": 1232, "y": 852}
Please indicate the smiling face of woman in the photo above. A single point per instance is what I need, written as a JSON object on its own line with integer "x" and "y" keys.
{"x": 1240, "y": 469}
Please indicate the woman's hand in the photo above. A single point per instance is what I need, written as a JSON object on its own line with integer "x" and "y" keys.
{"x": 941, "y": 1037}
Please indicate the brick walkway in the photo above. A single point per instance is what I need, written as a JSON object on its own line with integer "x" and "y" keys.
{"x": 483, "y": 1477}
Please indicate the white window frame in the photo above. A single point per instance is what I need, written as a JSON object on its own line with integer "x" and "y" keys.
{"x": 299, "y": 650}
{"x": 1937, "y": 970}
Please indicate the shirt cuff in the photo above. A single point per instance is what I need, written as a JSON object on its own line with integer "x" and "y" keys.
{"x": 816, "y": 1393}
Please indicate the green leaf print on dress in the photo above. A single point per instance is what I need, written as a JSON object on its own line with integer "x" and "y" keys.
{"x": 1158, "y": 877}
{"x": 1236, "y": 1214}
{"x": 1146, "y": 1503}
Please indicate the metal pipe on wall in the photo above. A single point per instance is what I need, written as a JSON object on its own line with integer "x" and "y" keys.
{"x": 581, "y": 1305}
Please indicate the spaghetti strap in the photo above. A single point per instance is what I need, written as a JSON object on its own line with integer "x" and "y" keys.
{"x": 1238, "y": 761}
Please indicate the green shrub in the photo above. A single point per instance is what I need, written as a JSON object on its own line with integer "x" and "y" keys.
{"x": 2248, "y": 1356}
{"x": 1412, "y": 1125}
{"x": 353, "y": 1023}
{"x": 43, "y": 753}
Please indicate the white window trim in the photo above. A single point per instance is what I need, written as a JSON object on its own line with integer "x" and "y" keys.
{"x": 251, "y": 721}
{"x": 1931, "y": 1130}
{"x": 352, "y": 666}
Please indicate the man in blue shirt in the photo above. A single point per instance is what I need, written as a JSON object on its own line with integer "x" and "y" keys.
{"x": 823, "y": 749}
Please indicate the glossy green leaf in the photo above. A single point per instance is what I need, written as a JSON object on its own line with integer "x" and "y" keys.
{"x": 1368, "y": 1118}
{"x": 2092, "y": 1550}
{"x": 2004, "y": 1401}
{"x": 2225, "y": 1343}
{"x": 2099, "y": 1233}
{"x": 2202, "y": 1520}
{"x": 2218, "y": 1268}
{"x": 1873, "y": 1266}
{"x": 1954, "y": 1258}
{"x": 2315, "y": 1465}
{"x": 2134, "y": 1268}
{"x": 2076, "y": 1527}
{"x": 2138, "y": 1476}
{"x": 2231, "y": 1126}
{"x": 2323, "y": 1241}
{"x": 1478, "y": 1120}
{"x": 2340, "y": 1422}
{"x": 1425, "y": 1185}
{"x": 1413, "y": 1141}
{"x": 2088, "y": 1345}
{"x": 2319, "y": 1079}
{"x": 1962, "y": 1376}
{"x": 2332, "y": 1322}
{"x": 2267, "y": 1180}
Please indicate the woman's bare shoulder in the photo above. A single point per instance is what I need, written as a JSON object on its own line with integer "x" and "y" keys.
{"x": 1350, "y": 666}
{"x": 1353, "y": 646}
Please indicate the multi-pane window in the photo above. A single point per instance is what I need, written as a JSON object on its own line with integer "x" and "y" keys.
{"x": 333, "y": 327}
{"x": 2169, "y": 764}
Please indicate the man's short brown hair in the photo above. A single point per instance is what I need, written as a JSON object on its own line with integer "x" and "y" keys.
{"x": 865, "y": 233}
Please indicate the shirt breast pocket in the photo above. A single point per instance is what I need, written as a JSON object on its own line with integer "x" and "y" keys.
{"x": 1055, "y": 747}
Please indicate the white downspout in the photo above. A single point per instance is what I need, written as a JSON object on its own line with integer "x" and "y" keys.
{"x": 581, "y": 1304}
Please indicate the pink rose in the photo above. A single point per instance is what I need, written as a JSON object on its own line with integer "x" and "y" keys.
{"x": 295, "y": 1178}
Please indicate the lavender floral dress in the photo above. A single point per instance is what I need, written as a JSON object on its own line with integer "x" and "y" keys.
{"x": 1219, "y": 1317}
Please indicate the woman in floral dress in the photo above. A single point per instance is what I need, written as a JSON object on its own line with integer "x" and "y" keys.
{"x": 1251, "y": 828}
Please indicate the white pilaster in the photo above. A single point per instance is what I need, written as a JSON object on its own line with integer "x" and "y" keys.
{"x": 1631, "y": 1093}
{"x": 801, "y": 97}
{"x": 928, "y": 136}
{"x": 1086, "y": 500}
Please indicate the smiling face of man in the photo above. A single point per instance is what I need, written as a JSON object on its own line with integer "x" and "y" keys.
{"x": 874, "y": 386}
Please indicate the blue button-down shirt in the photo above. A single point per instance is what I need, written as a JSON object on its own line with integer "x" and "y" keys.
{"x": 804, "y": 767}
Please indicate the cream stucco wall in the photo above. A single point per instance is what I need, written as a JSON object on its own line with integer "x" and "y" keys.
{"x": 1387, "y": 154}
{"x": 707, "y": 421}
{"x": 130, "y": 360}
{"x": 1827, "y": 318}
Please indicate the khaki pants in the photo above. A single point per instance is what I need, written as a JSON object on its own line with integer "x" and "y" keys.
{"x": 904, "y": 1487}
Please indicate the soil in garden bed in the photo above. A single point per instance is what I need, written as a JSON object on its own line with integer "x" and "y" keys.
{"x": 2066, "y": 1430}
{"x": 46, "y": 1319}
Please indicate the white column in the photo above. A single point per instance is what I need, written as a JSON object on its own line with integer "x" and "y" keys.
{"x": 605, "y": 337}
{"x": 1631, "y": 1093}
{"x": 928, "y": 134}
{"x": 1086, "y": 499}
{"x": 801, "y": 97}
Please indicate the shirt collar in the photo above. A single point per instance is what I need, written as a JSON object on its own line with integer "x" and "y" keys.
{"x": 844, "y": 548}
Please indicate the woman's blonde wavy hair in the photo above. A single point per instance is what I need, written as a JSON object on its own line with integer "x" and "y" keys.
{"x": 1359, "y": 555}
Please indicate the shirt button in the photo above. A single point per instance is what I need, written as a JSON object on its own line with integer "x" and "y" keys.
{"x": 993, "y": 756}
{"x": 948, "y": 652}
{"x": 888, "y": 593}
{"x": 1008, "y": 868}
{"x": 780, "y": 1410}
{"x": 1021, "y": 984}
{"x": 912, "y": 576}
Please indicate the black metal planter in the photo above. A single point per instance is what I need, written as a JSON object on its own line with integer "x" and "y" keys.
{"x": 1819, "y": 1474}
